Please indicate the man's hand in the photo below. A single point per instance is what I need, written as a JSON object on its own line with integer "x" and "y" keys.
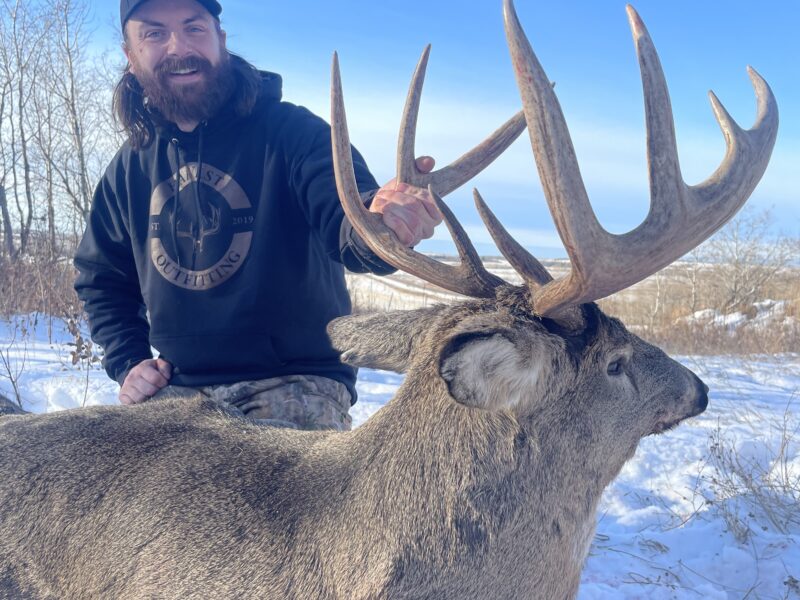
{"x": 144, "y": 380}
{"x": 407, "y": 210}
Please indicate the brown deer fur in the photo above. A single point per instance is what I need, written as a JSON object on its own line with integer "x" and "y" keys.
{"x": 480, "y": 478}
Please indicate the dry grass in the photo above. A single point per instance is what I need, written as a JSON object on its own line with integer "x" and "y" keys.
{"x": 38, "y": 285}
{"x": 756, "y": 485}
{"x": 665, "y": 309}
{"x": 683, "y": 311}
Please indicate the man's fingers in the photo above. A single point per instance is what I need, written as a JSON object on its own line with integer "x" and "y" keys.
{"x": 144, "y": 387}
{"x": 164, "y": 368}
{"x": 425, "y": 164}
{"x": 136, "y": 391}
{"x": 419, "y": 202}
{"x": 154, "y": 377}
{"x": 145, "y": 380}
{"x": 405, "y": 194}
{"x": 426, "y": 231}
{"x": 409, "y": 211}
{"x": 400, "y": 228}
{"x": 129, "y": 395}
{"x": 430, "y": 206}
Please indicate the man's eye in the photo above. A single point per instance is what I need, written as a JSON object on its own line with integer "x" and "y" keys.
{"x": 150, "y": 35}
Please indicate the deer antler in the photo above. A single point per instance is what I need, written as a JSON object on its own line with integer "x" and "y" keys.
{"x": 681, "y": 216}
{"x": 469, "y": 277}
{"x": 463, "y": 169}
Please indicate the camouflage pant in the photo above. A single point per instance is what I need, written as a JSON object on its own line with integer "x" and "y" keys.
{"x": 295, "y": 401}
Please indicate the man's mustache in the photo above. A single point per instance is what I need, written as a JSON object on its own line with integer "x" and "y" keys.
{"x": 190, "y": 63}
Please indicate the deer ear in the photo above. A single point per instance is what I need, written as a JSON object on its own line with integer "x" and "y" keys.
{"x": 381, "y": 340}
{"x": 486, "y": 370}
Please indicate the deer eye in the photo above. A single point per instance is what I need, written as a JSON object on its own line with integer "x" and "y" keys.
{"x": 616, "y": 367}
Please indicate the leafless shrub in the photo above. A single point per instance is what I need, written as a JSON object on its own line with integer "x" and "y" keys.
{"x": 43, "y": 288}
{"x": 84, "y": 352}
{"x": 38, "y": 284}
{"x": 756, "y": 485}
{"x": 56, "y": 131}
{"x": 747, "y": 261}
{"x": 12, "y": 368}
{"x": 738, "y": 294}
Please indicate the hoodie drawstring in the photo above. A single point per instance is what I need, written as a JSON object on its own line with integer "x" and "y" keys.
{"x": 176, "y": 197}
{"x": 197, "y": 206}
{"x": 197, "y": 225}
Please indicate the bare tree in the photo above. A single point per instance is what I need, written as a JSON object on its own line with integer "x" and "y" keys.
{"x": 747, "y": 259}
{"x": 7, "y": 231}
{"x": 78, "y": 89}
{"x": 55, "y": 123}
{"x": 23, "y": 47}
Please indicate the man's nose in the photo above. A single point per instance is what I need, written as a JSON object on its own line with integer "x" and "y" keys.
{"x": 177, "y": 44}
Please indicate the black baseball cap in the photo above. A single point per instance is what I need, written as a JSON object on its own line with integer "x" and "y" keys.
{"x": 126, "y": 8}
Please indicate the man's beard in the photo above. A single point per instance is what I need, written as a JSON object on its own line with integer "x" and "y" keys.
{"x": 188, "y": 102}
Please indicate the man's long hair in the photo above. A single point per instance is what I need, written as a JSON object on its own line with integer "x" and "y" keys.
{"x": 136, "y": 119}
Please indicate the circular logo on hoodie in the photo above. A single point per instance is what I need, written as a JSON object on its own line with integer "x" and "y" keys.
{"x": 201, "y": 227}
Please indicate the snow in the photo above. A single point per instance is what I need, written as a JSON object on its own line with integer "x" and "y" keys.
{"x": 767, "y": 314}
{"x": 677, "y": 523}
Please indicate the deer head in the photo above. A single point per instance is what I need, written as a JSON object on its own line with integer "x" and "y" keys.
{"x": 571, "y": 389}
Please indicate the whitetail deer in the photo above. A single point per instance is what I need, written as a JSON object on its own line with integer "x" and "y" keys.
{"x": 479, "y": 479}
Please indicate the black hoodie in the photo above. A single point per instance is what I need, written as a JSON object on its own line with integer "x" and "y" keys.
{"x": 233, "y": 277}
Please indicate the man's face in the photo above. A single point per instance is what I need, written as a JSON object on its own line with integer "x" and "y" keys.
{"x": 176, "y": 51}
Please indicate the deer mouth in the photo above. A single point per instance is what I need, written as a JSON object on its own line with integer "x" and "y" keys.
{"x": 666, "y": 425}
{"x": 665, "y": 422}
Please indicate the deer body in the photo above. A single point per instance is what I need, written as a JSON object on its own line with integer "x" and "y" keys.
{"x": 429, "y": 498}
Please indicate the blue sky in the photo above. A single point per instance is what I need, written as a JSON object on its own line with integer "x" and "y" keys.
{"x": 584, "y": 46}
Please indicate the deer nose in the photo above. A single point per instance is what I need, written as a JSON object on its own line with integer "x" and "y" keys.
{"x": 701, "y": 390}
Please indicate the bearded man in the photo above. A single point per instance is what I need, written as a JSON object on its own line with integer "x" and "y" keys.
{"x": 216, "y": 235}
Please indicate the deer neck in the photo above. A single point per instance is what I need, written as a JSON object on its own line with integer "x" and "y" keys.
{"x": 487, "y": 481}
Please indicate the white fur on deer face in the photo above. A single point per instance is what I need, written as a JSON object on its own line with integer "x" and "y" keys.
{"x": 496, "y": 369}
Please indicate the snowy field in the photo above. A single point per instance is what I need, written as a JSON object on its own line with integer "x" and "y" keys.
{"x": 710, "y": 510}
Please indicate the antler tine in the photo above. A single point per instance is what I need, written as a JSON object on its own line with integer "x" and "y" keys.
{"x": 466, "y": 167}
{"x": 407, "y": 171}
{"x": 468, "y": 278}
{"x": 747, "y": 152}
{"x": 666, "y": 181}
{"x": 701, "y": 210}
{"x": 474, "y": 268}
{"x": 680, "y": 217}
{"x": 524, "y": 263}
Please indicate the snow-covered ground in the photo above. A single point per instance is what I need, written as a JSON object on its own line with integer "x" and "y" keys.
{"x": 709, "y": 510}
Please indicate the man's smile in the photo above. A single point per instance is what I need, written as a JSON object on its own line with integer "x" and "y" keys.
{"x": 185, "y": 75}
